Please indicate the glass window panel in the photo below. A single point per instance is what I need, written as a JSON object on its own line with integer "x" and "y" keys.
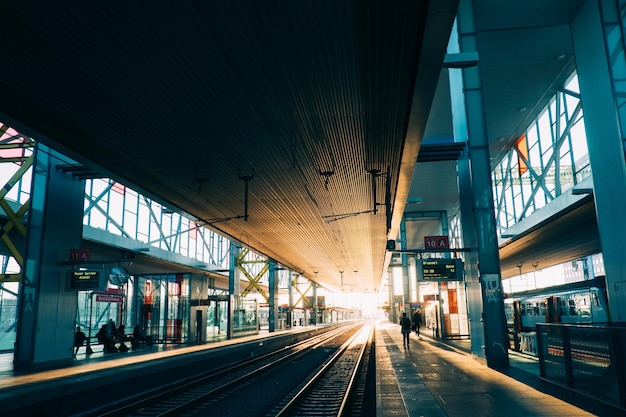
{"x": 572, "y": 84}
{"x": 620, "y": 97}
{"x": 562, "y": 127}
{"x": 502, "y": 220}
{"x": 166, "y": 223}
{"x": 567, "y": 173}
{"x": 130, "y": 224}
{"x": 183, "y": 238}
{"x": 99, "y": 185}
{"x": 540, "y": 199}
{"x": 531, "y": 136}
{"x": 97, "y": 219}
{"x": 571, "y": 102}
{"x": 579, "y": 143}
{"x": 508, "y": 198}
{"x": 116, "y": 207}
{"x": 144, "y": 220}
{"x": 514, "y": 168}
{"x": 155, "y": 236}
{"x": 518, "y": 204}
{"x": 527, "y": 191}
{"x": 613, "y": 36}
{"x": 535, "y": 159}
{"x": 130, "y": 203}
{"x": 24, "y": 186}
{"x": 545, "y": 133}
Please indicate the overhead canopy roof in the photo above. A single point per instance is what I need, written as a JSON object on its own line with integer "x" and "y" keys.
{"x": 310, "y": 105}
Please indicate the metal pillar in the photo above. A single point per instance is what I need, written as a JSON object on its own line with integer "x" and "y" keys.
{"x": 315, "y": 308}
{"x": 475, "y": 173}
{"x": 273, "y": 297}
{"x": 406, "y": 284}
{"x": 47, "y": 310}
{"x": 392, "y": 298}
{"x": 233, "y": 287}
{"x": 290, "y": 292}
{"x": 600, "y": 75}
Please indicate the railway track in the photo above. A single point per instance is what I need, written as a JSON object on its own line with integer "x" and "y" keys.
{"x": 329, "y": 390}
{"x": 220, "y": 390}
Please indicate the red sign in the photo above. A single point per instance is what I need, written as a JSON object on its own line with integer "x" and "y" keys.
{"x": 110, "y": 295}
{"x": 436, "y": 242}
{"x": 79, "y": 255}
{"x": 104, "y": 298}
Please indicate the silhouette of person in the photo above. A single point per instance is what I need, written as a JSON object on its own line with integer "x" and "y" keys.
{"x": 405, "y": 324}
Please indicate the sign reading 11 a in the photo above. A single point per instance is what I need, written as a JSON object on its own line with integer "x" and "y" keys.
{"x": 438, "y": 269}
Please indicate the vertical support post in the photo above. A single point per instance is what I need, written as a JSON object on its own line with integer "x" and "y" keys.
{"x": 315, "y": 310}
{"x": 600, "y": 76}
{"x": 479, "y": 225}
{"x": 405, "y": 270}
{"x": 246, "y": 179}
{"x": 273, "y": 284}
{"x": 290, "y": 292}
{"x": 392, "y": 298}
{"x": 233, "y": 287}
{"x": 88, "y": 348}
{"x": 47, "y": 310}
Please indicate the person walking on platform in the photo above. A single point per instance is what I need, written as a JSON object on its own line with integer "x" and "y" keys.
{"x": 405, "y": 324}
{"x": 79, "y": 339}
{"x": 417, "y": 322}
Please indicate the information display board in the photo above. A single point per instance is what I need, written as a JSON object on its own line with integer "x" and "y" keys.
{"x": 83, "y": 280}
{"x": 439, "y": 269}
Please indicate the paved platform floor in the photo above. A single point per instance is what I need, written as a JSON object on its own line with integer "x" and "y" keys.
{"x": 431, "y": 378}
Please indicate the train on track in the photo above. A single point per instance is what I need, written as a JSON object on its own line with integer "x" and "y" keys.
{"x": 583, "y": 302}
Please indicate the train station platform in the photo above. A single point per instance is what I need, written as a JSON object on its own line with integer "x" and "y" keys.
{"x": 433, "y": 378}
{"x": 429, "y": 378}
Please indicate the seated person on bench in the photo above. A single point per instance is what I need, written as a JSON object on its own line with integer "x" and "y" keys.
{"x": 107, "y": 341}
{"x": 139, "y": 336}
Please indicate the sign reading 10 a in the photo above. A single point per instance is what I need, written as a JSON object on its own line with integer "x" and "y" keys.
{"x": 440, "y": 269}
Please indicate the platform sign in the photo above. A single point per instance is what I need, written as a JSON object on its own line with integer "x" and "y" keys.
{"x": 80, "y": 255}
{"x": 108, "y": 298}
{"x": 440, "y": 269}
{"x": 436, "y": 242}
{"x": 88, "y": 279}
{"x": 110, "y": 295}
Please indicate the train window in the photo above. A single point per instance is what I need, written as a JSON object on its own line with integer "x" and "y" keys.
{"x": 509, "y": 312}
{"x": 529, "y": 309}
{"x": 572, "y": 308}
{"x": 542, "y": 309}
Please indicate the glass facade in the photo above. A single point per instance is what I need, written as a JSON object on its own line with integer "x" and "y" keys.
{"x": 548, "y": 159}
{"x": 122, "y": 211}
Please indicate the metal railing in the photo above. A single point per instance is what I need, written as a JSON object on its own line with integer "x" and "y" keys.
{"x": 588, "y": 359}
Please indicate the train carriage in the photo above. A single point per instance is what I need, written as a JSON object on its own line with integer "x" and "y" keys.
{"x": 582, "y": 302}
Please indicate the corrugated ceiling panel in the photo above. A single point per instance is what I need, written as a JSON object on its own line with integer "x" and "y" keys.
{"x": 181, "y": 99}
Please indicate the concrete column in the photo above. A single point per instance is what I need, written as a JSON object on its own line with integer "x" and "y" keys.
{"x": 315, "y": 312}
{"x": 406, "y": 282}
{"x": 600, "y": 78}
{"x": 475, "y": 180}
{"x": 392, "y": 298}
{"x": 234, "y": 287}
{"x": 473, "y": 290}
{"x": 273, "y": 301}
{"x": 47, "y": 310}
{"x": 198, "y": 308}
{"x": 290, "y": 293}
